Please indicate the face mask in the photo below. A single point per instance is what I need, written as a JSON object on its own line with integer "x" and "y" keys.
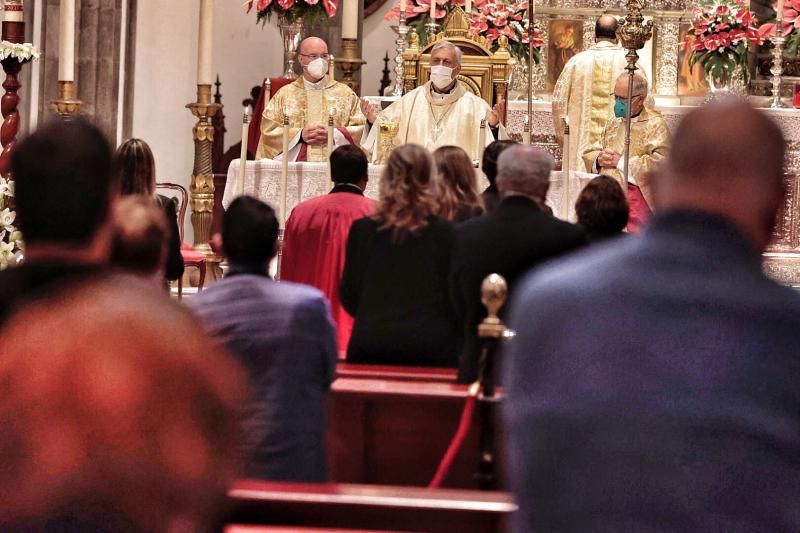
{"x": 318, "y": 68}
{"x": 620, "y": 108}
{"x": 441, "y": 76}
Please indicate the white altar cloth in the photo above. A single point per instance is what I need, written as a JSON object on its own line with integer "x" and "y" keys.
{"x": 308, "y": 180}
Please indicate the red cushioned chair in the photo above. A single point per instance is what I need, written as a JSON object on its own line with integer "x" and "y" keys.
{"x": 269, "y": 87}
{"x": 191, "y": 258}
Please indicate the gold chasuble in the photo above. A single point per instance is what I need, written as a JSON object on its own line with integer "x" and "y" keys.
{"x": 307, "y": 105}
{"x": 431, "y": 121}
{"x": 584, "y": 93}
{"x": 649, "y": 144}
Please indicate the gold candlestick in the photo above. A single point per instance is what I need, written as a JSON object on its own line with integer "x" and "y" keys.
{"x": 66, "y": 105}
{"x": 349, "y": 63}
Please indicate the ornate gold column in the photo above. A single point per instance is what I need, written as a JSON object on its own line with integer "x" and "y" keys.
{"x": 202, "y": 184}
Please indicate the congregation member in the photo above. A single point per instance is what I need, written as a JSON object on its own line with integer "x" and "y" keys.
{"x": 316, "y": 234}
{"x": 489, "y": 167}
{"x": 139, "y": 244}
{"x": 457, "y": 185}
{"x": 649, "y": 144}
{"x": 438, "y": 113}
{"x": 135, "y": 168}
{"x": 582, "y": 93}
{"x": 64, "y": 194}
{"x": 652, "y": 384}
{"x": 514, "y": 237}
{"x": 602, "y": 209}
{"x": 283, "y": 336}
{"x": 118, "y": 414}
{"x": 308, "y": 101}
{"x": 395, "y": 274}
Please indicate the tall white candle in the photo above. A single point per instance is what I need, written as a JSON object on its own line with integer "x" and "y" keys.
{"x": 205, "y": 42}
{"x": 66, "y": 41}
{"x": 350, "y": 19}
{"x": 403, "y": 5}
{"x": 467, "y": 6}
{"x": 14, "y": 12}
{"x": 780, "y": 14}
{"x": 433, "y": 10}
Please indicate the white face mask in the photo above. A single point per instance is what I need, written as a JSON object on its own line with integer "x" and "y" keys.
{"x": 318, "y": 68}
{"x": 441, "y": 76}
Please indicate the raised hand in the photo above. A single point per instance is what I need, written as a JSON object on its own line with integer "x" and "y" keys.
{"x": 368, "y": 111}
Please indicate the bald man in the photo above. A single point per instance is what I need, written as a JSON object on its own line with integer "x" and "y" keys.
{"x": 308, "y": 101}
{"x": 582, "y": 92}
{"x": 653, "y": 382}
{"x": 649, "y": 141}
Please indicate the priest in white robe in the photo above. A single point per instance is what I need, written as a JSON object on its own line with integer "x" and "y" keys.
{"x": 441, "y": 112}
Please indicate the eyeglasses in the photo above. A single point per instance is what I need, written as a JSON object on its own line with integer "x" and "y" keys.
{"x": 312, "y": 57}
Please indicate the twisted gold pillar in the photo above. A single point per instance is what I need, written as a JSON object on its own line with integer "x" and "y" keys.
{"x": 202, "y": 185}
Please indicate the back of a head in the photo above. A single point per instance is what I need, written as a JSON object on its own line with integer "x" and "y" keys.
{"x": 606, "y": 28}
{"x": 64, "y": 183}
{"x": 602, "y": 208}
{"x": 727, "y": 159}
{"x": 406, "y": 199}
{"x": 524, "y": 169}
{"x": 457, "y": 184}
{"x": 139, "y": 244}
{"x": 125, "y": 420}
{"x": 348, "y": 164}
{"x": 249, "y": 231}
{"x": 490, "y": 155}
{"x": 135, "y": 167}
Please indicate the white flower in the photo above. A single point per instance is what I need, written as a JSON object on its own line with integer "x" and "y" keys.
{"x": 22, "y": 52}
{"x": 7, "y": 217}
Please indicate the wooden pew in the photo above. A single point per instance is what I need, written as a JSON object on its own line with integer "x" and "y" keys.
{"x": 396, "y": 431}
{"x": 358, "y": 507}
{"x": 404, "y": 373}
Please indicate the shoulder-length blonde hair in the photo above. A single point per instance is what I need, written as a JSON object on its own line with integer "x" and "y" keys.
{"x": 135, "y": 168}
{"x": 456, "y": 184}
{"x": 406, "y": 199}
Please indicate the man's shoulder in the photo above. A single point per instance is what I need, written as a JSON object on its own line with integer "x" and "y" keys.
{"x": 341, "y": 89}
{"x": 250, "y": 288}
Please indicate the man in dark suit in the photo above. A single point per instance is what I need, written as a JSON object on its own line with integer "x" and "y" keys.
{"x": 653, "y": 382}
{"x": 283, "y": 335}
{"x": 517, "y": 235}
{"x": 64, "y": 193}
{"x": 490, "y": 195}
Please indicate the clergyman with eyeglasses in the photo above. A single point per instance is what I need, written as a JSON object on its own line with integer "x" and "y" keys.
{"x": 308, "y": 102}
{"x": 649, "y": 141}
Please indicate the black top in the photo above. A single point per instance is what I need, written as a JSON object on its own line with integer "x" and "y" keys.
{"x": 517, "y": 235}
{"x": 174, "y": 266}
{"x": 399, "y": 297}
{"x": 491, "y": 198}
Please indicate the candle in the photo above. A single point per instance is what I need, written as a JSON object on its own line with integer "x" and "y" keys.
{"x": 350, "y": 19}
{"x": 284, "y": 170}
{"x": 467, "y": 6}
{"x": 433, "y": 10}
{"x": 243, "y": 152}
{"x": 779, "y": 16}
{"x": 205, "y": 41}
{"x": 14, "y": 12}
{"x": 403, "y": 4}
{"x": 66, "y": 41}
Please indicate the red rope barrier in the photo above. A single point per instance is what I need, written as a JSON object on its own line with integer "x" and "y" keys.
{"x": 458, "y": 440}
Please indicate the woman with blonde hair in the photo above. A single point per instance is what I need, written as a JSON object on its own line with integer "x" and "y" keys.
{"x": 457, "y": 185}
{"x": 395, "y": 274}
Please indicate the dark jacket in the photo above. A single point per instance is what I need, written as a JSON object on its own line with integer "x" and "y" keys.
{"x": 509, "y": 241}
{"x": 398, "y": 294}
{"x": 174, "y": 266}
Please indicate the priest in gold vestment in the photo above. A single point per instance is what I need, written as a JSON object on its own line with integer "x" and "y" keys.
{"x": 649, "y": 142}
{"x": 584, "y": 89}
{"x": 309, "y": 101}
{"x": 441, "y": 112}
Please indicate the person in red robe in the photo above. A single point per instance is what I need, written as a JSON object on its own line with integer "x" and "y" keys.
{"x": 316, "y": 233}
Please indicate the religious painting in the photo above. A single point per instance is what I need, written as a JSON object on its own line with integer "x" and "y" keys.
{"x": 566, "y": 40}
{"x": 691, "y": 81}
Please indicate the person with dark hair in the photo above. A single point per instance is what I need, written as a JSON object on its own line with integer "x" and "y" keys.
{"x": 510, "y": 240}
{"x": 602, "y": 209}
{"x": 64, "y": 193}
{"x": 119, "y": 414}
{"x": 283, "y": 335}
{"x": 139, "y": 245}
{"x": 489, "y": 166}
{"x": 583, "y": 93}
{"x": 316, "y": 233}
{"x": 395, "y": 274}
{"x": 135, "y": 168}
{"x": 652, "y": 383}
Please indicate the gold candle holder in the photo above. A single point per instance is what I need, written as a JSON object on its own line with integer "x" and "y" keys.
{"x": 66, "y": 105}
{"x": 349, "y": 63}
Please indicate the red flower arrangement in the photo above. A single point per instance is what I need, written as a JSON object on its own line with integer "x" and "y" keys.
{"x": 789, "y": 26}
{"x": 722, "y": 32}
{"x": 290, "y": 11}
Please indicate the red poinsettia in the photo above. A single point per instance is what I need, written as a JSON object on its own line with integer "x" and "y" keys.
{"x": 290, "y": 11}
{"x": 789, "y": 26}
